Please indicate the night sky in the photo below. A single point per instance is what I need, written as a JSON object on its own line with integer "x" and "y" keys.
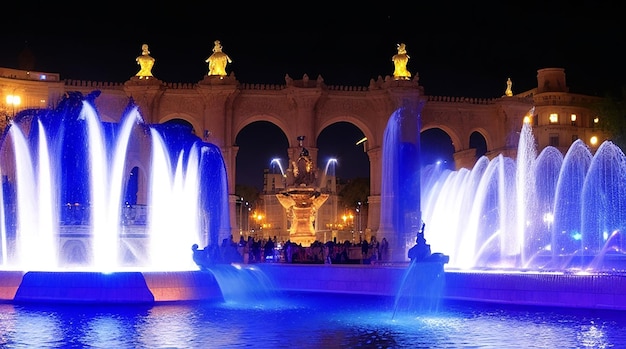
{"x": 457, "y": 49}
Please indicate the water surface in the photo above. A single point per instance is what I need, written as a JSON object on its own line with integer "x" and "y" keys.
{"x": 308, "y": 321}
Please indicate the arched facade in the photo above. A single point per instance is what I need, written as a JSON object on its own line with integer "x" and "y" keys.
{"x": 219, "y": 107}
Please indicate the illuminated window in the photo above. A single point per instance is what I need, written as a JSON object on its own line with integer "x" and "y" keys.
{"x": 554, "y": 139}
{"x": 573, "y": 118}
{"x": 554, "y": 118}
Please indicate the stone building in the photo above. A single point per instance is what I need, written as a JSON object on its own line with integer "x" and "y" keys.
{"x": 218, "y": 107}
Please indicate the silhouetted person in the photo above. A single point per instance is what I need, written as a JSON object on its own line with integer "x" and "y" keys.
{"x": 364, "y": 249}
{"x": 269, "y": 249}
{"x": 384, "y": 249}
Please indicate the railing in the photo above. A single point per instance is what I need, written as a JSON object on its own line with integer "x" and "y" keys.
{"x": 80, "y": 215}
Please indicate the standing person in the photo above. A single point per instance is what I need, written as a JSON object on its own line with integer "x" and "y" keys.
{"x": 269, "y": 250}
{"x": 326, "y": 250}
{"x": 288, "y": 251}
{"x": 364, "y": 250}
{"x": 374, "y": 246}
{"x": 384, "y": 250}
{"x": 245, "y": 251}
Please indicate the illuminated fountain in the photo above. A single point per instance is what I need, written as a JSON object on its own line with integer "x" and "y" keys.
{"x": 302, "y": 198}
{"x": 550, "y": 212}
{"x": 543, "y": 229}
{"x": 86, "y": 196}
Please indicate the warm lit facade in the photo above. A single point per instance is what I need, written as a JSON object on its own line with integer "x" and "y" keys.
{"x": 219, "y": 107}
{"x": 561, "y": 117}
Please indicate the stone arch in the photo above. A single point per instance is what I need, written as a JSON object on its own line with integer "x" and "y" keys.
{"x": 481, "y": 149}
{"x": 456, "y": 140}
{"x": 442, "y": 149}
{"x": 355, "y": 158}
{"x": 138, "y": 157}
{"x": 371, "y": 146}
{"x": 247, "y": 146}
{"x": 354, "y": 120}
{"x": 263, "y": 117}
{"x": 194, "y": 121}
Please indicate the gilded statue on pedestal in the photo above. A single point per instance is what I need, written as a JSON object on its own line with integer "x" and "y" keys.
{"x": 509, "y": 91}
{"x": 145, "y": 62}
{"x": 400, "y": 61}
{"x": 218, "y": 60}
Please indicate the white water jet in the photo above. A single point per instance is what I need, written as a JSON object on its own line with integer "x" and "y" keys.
{"x": 65, "y": 174}
{"x": 545, "y": 212}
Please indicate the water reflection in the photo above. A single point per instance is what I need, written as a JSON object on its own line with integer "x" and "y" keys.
{"x": 308, "y": 321}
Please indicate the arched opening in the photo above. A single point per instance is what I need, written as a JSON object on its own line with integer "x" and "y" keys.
{"x": 259, "y": 143}
{"x": 345, "y": 171}
{"x": 181, "y": 123}
{"x": 436, "y": 147}
{"x": 478, "y": 142}
{"x": 263, "y": 150}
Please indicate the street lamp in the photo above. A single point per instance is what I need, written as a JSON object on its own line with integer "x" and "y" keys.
{"x": 358, "y": 211}
{"x": 349, "y": 216}
{"x": 241, "y": 215}
{"x": 258, "y": 217}
{"x": 13, "y": 101}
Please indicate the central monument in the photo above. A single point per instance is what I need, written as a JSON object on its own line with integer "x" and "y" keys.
{"x": 301, "y": 198}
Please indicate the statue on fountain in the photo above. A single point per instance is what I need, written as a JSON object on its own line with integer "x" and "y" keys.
{"x": 420, "y": 252}
{"x": 303, "y": 169}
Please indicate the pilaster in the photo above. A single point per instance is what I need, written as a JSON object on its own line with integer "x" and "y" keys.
{"x": 146, "y": 94}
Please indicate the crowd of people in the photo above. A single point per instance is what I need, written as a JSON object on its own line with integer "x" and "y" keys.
{"x": 268, "y": 250}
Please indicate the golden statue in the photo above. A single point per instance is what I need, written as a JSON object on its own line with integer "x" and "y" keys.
{"x": 400, "y": 61}
{"x": 145, "y": 62}
{"x": 509, "y": 91}
{"x": 218, "y": 60}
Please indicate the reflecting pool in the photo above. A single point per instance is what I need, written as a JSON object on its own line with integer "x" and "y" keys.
{"x": 311, "y": 320}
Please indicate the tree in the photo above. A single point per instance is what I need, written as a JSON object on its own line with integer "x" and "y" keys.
{"x": 355, "y": 191}
{"x": 247, "y": 192}
{"x": 612, "y": 112}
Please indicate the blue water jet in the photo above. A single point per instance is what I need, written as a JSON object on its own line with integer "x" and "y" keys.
{"x": 80, "y": 193}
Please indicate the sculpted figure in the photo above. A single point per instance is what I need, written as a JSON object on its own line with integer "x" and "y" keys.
{"x": 303, "y": 169}
{"x": 509, "y": 91}
{"x": 145, "y": 62}
{"x": 218, "y": 60}
{"x": 400, "y": 61}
